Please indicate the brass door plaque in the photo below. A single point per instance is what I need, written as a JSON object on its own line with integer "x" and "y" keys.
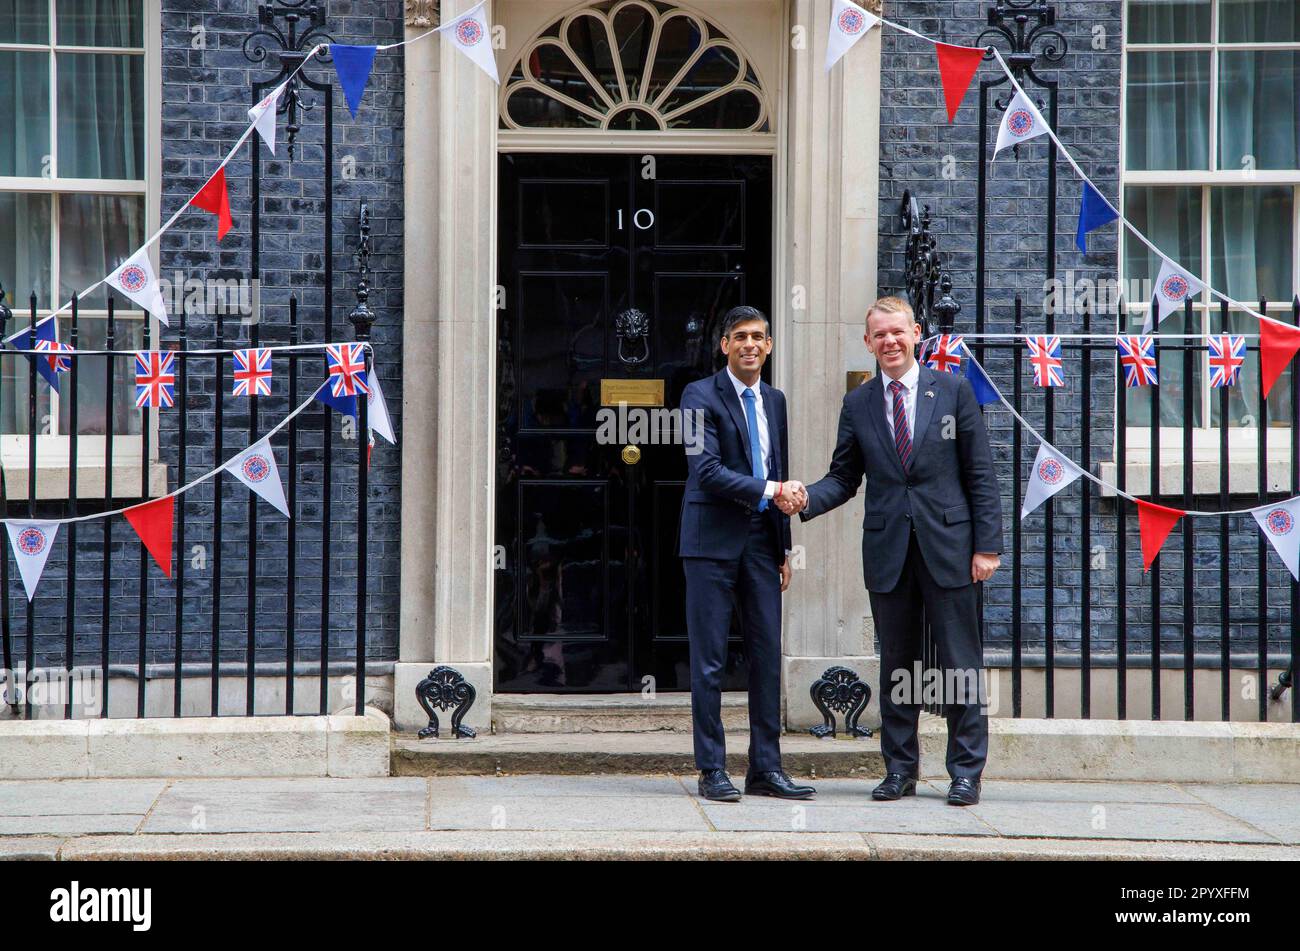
{"x": 632, "y": 392}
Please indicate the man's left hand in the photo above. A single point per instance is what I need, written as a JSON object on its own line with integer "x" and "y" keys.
{"x": 786, "y": 574}
{"x": 983, "y": 565}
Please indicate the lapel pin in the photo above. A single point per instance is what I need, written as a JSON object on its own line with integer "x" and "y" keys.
{"x": 930, "y": 393}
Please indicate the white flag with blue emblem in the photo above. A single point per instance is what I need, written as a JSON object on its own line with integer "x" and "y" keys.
{"x": 1021, "y": 122}
{"x": 31, "y": 542}
{"x": 256, "y": 468}
{"x": 263, "y": 114}
{"x": 1280, "y": 523}
{"x": 470, "y": 34}
{"x": 134, "y": 277}
{"x": 1173, "y": 287}
{"x": 849, "y": 23}
{"x": 1052, "y": 472}
{"x": 377, "y": 410}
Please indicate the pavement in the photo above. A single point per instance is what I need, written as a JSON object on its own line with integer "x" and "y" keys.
{"x": 656, "y": 816}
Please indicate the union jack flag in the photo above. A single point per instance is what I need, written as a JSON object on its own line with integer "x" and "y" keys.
{"x": 155, "y": 379}
{"x": 346, "y": 364}
{"x": 944, "y": 354}
{"x": 1045, "y": 358}
{"x": 253, "y": 372}
{"x": 1138, "y": 355}
{"x": 1227, "y": 354}
{"x": 57, "y": 364}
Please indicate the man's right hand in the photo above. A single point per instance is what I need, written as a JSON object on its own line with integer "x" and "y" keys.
{"x": 793, "y": 498}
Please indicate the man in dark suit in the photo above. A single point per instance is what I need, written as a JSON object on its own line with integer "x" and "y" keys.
{"x": 733, "y": 545}
{"x": 932, "y": 531}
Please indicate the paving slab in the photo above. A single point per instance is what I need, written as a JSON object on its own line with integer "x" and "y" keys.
{"x": 448, "y": 787}
{"x": 676, "y": 813}
{"x": 68, "y": 825}
{"x": 1116, "y": 820}
{"x": 62, "y": 797}
{"x": 1272, "y": 807}
{"x": 30, "y": 848}
{"x": 289, "y": 805}
{"x": 925, "y": 816}
{"x": 931, "y": 848}
{"x": 1087, "y": 792}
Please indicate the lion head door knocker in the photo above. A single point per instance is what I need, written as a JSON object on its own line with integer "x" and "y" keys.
{"x": 632, "y": 327}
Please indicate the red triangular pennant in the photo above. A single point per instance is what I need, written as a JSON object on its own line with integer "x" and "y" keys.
{"x": 152, "y": 521}
{"x": 1278, "y": 343}
{"x": 215, "y": 198}
{"x": 957, "y": 65}
{"x": 1155, "y": 522}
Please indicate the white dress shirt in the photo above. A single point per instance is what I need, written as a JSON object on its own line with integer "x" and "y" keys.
{"x": 764, "y": 438}
{"x": 910, "y": 379}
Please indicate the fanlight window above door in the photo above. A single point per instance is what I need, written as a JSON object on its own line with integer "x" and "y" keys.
{"x": 636, "y": 65}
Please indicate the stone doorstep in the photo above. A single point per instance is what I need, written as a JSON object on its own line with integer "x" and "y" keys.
{"x": 606, "y": 713}
{"x": 1018, "y": 749}
{"x": 344, "y": 746}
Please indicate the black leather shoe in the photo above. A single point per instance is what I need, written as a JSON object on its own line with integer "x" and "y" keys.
{"x": 716, "y": 785}
{"x": 964, "y": 792}
{"x": 776, "y": 784}
{"x": 895, "y": 786}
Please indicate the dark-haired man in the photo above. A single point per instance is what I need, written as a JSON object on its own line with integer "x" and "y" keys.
{"x": 733, "y": 545}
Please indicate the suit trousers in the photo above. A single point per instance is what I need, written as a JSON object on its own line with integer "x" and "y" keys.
{"x": 953, "y": 616}
{"x": 715, "y": 589}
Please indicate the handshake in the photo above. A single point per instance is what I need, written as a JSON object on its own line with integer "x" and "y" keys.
{"x": 791, "y": 497}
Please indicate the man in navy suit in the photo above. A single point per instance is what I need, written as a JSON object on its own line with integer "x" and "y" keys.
{"x": 733, "y": 545}
{"x": 931, "y": 532}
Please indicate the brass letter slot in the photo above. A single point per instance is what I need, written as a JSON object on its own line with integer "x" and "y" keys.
{"x": 632, "y": 392}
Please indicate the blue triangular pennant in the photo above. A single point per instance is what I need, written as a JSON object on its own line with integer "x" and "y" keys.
{"x": 985, "y": 391}
{"x": 1093, "y": 213}
{"x": 347, "y": 405}
{"x": 353, "y": 63}
{"x": 27, "y": 338}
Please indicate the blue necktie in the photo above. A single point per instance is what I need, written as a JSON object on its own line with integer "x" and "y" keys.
{"x": 755, "y": 453}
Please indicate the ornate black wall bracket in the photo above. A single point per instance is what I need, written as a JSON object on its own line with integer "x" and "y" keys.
{"x": 841, "y": 690}
{"x": 444, "y": 688}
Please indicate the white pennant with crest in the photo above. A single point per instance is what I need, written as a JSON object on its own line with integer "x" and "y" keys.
{"x": 135, "y": 278}
{"x": 377, "y": 410}
{"x": 263, "y": 114}
{"x": 1021, "y": 122}
{"x": 849, "y": 23}
{"x": 31, "y": 542}
{"x": 1280, "y": 523}
{"x": 1052, "y": 472}
{"x": 256, "y": 468}
{"x": 470, "y": 34}
{"x": 1173, "y": 286}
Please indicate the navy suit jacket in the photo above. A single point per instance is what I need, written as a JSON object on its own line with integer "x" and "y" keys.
{"x": 950, "y": 495}
{"x": 720, "y": 491}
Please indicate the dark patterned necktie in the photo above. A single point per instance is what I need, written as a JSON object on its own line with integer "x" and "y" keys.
{"x": 902, "y": 434}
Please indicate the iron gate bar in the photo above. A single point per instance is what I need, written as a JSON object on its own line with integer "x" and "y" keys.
{"x": 1085, "y": 544}
{"x": 1295, "y": 490}
{"x": 1261, "y": 563}
{"x": 1189, "y": 613}
{"x": 1017, "y": 561}
{"x": 144, "y": 552}
{"x": 1121, "y": 525}
{"x": 218, "y": 484}
{"x": 110, "y": 340}
{"x": 1225, "y": 699}
{"x": 5, "y": 633}
{"x": 1155, "y": 494}
{"x": 74, "y": 437}
{"x": 182, "y": 400}
{"x": 291, "y": 589}
{"x": 31, "y": 500}
{"x": 250, "y": 649}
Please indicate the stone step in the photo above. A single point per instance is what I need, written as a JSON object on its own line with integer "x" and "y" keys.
{"x": 607, "y": 713}
{"x": 637, "y": 753}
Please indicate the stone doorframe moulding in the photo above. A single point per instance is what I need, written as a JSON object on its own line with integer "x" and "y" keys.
{"x": 825, "y": 235}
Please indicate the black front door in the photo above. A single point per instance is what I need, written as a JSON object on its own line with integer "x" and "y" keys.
{"x": 615, "y": 271}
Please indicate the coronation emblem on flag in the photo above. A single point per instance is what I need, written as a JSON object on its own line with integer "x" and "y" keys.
{"x": 133, "y": 279}
{"x": 1227, "y": 354}
{"x": 1020, "y": 122}
{"x": 256, "y": 468}
{"x": 347, "y": 369}
{"x": 31, "y": 541}
{"x": 851, "y": 21}
{"x": 1175, "y": 287}
{"x": 944, "y": 354}
{"x": 1051, "y": 471}
{"x": 468, "y": 32}
{"x": 1279, "y": 522}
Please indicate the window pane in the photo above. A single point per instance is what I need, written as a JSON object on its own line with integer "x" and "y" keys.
{"x": 1167, "y": 100}
{"x": 1170, "y": 391}
{"x": 1169, "y": 21}
{"x": 1258, "y": 120}
{"x": 1250, "y": 242}
{"x": 96, "y": 232}
{"x": 99, "y": 22}
{"x": 15, "y": 374}
{"x": 1171, "y": 218}
{"x": 1243, "y": 399}
{"x": 92, "y": 385}
{"x": 24, "y": 113}
{"x": 25, "y": 21}
{"x": 1259, "y": 21}
{"x": 25, "y": 248}
{"x": 101, "y": 116}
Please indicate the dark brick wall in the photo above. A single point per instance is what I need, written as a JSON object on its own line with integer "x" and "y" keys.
{"x": 916, "y": 141}
{"x": 206, "y": 90}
